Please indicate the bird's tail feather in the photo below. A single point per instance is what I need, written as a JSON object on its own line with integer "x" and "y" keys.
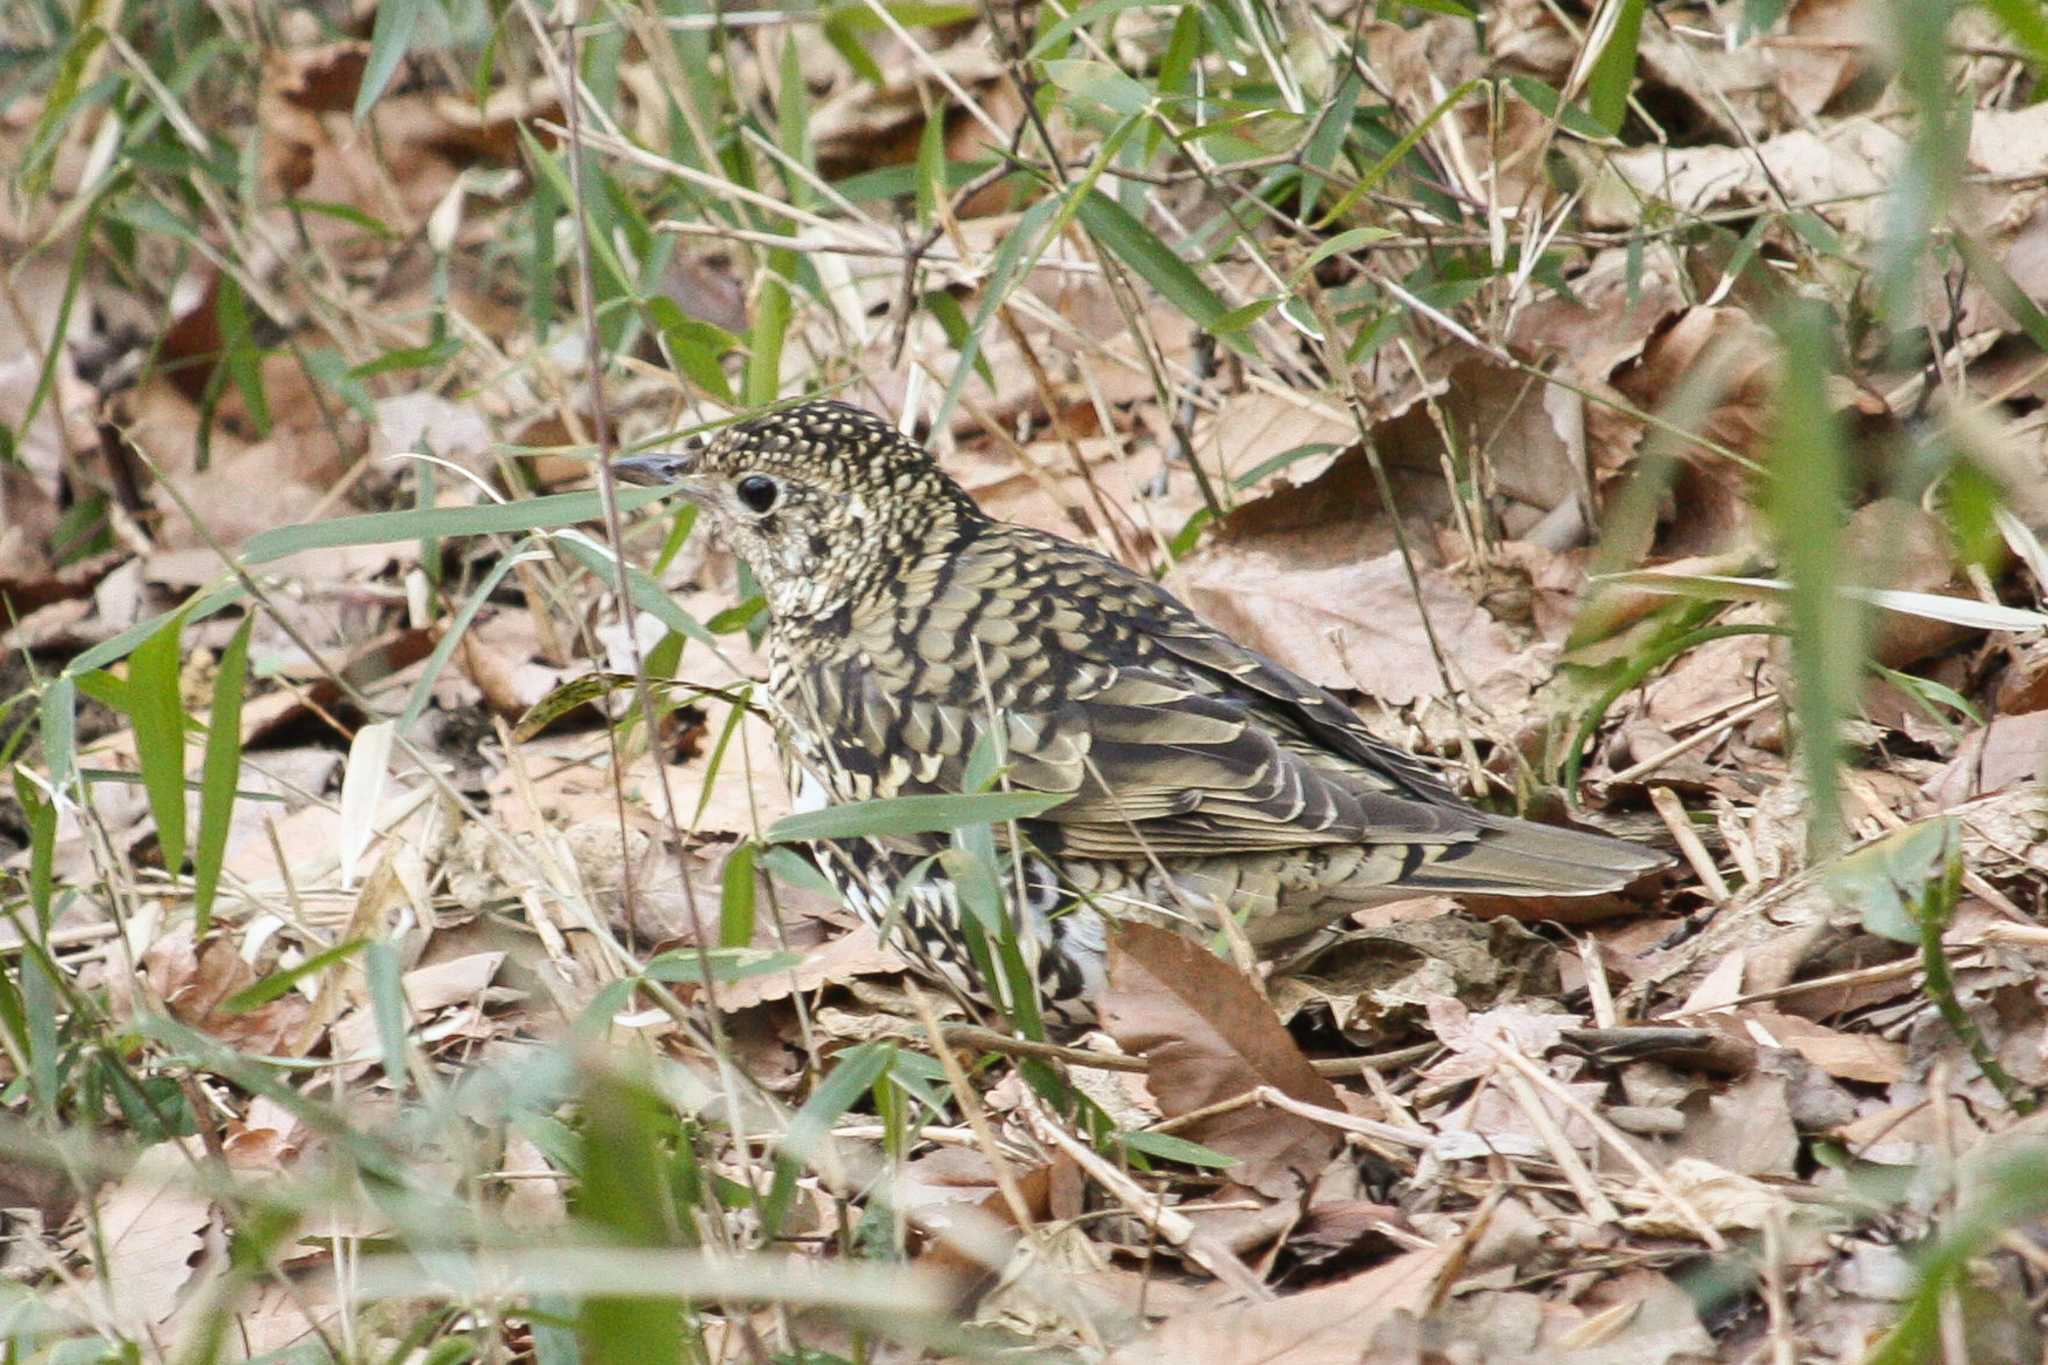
{"x": 1522, "y": 858}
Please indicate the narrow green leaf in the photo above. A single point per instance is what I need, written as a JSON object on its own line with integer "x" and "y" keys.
{"x": 427, "y": 357}
{"x": 2004, "y": 289}
{"x": 157, "y": 713}
{"x": 271, "y": 987}
{"x": 1023, "y": 243}
{"x": 240, "y": 353}
{"x": 1131, "y": 242}
{"x": 646, "y": 594}
{"x": 397, "y": 21}
{"x": 58, "y": 726}
{"x": 853, "y": 1075}
{"x": 931, "y": 168}
{"x": 41, "y": 818}
{"x": 423, "y": 523}
{"x": 727, "y": 964}
{"x": 845, "y": 39}
{"x": 1396, "y": 154}
{"x": 1549, "y": 103}
{"x": 423, "y": 690}
{"x": 219, "y": 770}
{"x": 1614, "y": 70}
{"x": 788, "y": 865}
{"x": 897, "y": 815}
{"x": 1167, "y": 1147}
{"x": 87, "y": 36}
{"x": 122, "y": 645}
{"x": 387, "y": 1003}
{"x": 1087, "y": 14}
{"x": 1883, "y": 881}
{"x": 346, "y": 213}
{"x": 1805, "y": 501}
{"x": 1100, "y": 83}
{"x": 695, "y": 348}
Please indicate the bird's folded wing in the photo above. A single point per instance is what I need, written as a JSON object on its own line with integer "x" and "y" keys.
{"x": 1160, "y": 767}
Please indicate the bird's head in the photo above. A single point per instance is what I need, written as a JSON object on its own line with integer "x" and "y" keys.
{"x": 823, "y": 500}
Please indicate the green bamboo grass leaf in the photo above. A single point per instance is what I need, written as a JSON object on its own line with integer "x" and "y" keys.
{"x": 726, "y": 732}
{"x": 1131, "y": 242}
{"x": 931, "y": 170}
{"x": 1395, "y": 154}
{"x": 1931, "y": 606}
{"x": 122, "y": 645}
{"x": 695, "y": 347}
{"x": 2003, "y": 288}
{"x": 345, "y": 213}
{"x": 1055, "y": 35}
{"x": 1548, "y": 102}
{"x": 40, "y": 817}
{"x": 421, "y": 523}
{"x": 1807, "y": 491}
{"x": 387, "y": 1002}
{"x": 277, "y": 983}
{"x": 787, "y": 865}
{"x": 681, "y": 966}
{"x": 896, "y": 815}
{"x": 1100, "y": 83}
{"x": 647, "y": 595}
{"x": 1614, "y": 69}
{"x": 1167, "y": 1147}
{"x": 390, "y": 37}
{"x": 58, "y": 726}
{"x": 240, "y": 353}
{"x": 1021, "y": 246}
{"x": 157, "y": 713}
{"x": 58, "y": 111}
{"x": 423, "y": 691}
{"x": 616, "y": 278}
{"x": 1883, "y": 880}
{"x": 853, "y": 1076}
{"x": 218, "y": 772}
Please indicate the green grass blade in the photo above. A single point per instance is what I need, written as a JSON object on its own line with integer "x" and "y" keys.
{"x": 1614, "y": 69}
{"x": 1807, "y": 492}
{"x": 390, "y": 36}
{"x": 736, "y": 898}
{"x": 898, "y": 815}
{"x": 419, "y": 523}
{"x": 157, "y": 713}
{"x": 218, "y": 772}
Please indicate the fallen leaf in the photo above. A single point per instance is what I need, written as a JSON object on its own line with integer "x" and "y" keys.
{"x": 1208, "y": 1036}
{"x": 1326, "y": 1326}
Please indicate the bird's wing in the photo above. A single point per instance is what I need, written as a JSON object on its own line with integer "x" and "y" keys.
{"x": 1171, "y": 739}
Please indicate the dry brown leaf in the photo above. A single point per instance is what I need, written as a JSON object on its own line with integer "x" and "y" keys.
{"x": 1352, "y": 624}
{"x": 151, "y": 1226}
{"x": 1326, "y": 1326}
{"x": 1208, "y": 1036}
{"x": 194, "y": 984}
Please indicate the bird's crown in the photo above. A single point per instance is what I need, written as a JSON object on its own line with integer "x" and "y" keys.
{"x": 830, "y": 444}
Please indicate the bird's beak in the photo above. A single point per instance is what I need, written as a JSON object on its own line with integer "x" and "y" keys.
{"x": 659, "y": 471}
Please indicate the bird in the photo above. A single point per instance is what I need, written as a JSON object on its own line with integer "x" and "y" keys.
{"x": 1190, "y": 777}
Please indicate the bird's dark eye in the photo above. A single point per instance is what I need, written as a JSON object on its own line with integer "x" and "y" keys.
{"x": 758, "y": 492}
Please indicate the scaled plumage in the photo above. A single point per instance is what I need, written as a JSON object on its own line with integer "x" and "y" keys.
{"x": 1201, "y": 777}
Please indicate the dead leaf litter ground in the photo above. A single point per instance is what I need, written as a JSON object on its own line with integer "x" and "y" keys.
{"x": 1604, "y": 398}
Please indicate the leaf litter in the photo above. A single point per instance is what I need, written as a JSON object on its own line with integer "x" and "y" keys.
{"x": 1729, "y": 1121}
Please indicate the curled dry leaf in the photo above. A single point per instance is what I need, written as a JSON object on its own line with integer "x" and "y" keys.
{"x": 1208, "y": 1036}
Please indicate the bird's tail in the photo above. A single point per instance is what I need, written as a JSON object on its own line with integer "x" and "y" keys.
{"x": 1522, "y": 858}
